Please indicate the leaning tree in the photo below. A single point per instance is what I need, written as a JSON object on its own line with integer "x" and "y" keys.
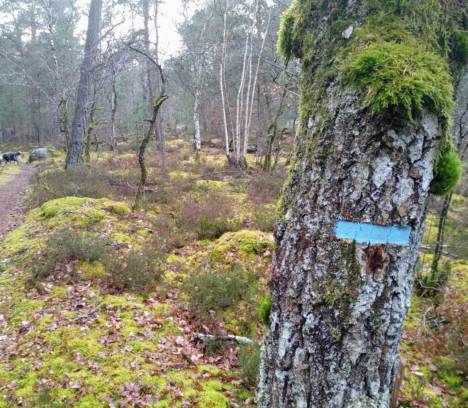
{"x": 376, "y": 101}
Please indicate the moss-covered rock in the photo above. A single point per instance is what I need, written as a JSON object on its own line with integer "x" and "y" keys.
{"x": 245, "y": 243}
{"x": 78, "y": 213}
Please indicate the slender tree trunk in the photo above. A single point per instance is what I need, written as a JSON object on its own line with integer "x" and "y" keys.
{"x": 240, "y": 106}
{"x": 64, "y": 121}
{"x": 91, "y": 126}
{"x": 338, "y": 306}
{"x": 460, "y": 133}
{"x": 141, "y": 153}
{"x": 149, "y": 90}
{"x": 222, "y": 67}
{"x": 250, "y": 103}
{"x": 272, "y": 132}
{"x": 196, "y": 123}
{"x": 199, "y": 66}
{"x": 160, "y": 134}
{"x": 80, "y": 119}
{"x": 114, "y": 101}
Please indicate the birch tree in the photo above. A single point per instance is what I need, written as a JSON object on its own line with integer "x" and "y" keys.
{"x": 247, "y": 85}
{"x": 376, "y": 100}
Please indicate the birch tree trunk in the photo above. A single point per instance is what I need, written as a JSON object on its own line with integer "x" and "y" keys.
{"x": 199, "y": 66}
{"x": 196, "y": 123}
{"x": 80, "y": 119}
{"x": 338, "y": 306}
{"x": 222, "y": 82}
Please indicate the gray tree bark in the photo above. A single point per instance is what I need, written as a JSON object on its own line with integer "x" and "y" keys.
{"x": 80, "y": 119}
{"x": 338, "y": 306}
{"x": 460, "y": 134}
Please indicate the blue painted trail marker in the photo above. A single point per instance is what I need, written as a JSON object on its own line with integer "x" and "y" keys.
{"x": 364, "y": 233}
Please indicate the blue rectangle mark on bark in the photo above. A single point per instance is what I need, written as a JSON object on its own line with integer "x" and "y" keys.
{"x": 364, "y": 233}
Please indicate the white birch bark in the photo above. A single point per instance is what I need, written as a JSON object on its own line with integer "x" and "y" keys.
{"x": 222, "y": 83}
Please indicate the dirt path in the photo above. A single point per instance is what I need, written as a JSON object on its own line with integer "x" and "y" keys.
{"x": 13, "y": 199}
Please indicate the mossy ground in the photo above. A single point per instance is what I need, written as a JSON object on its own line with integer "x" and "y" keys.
{"x": 8, "y": 173}
{"x": 72, "y": 342}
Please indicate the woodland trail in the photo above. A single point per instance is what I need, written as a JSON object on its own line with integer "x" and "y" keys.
{"x": 13, "y": 203}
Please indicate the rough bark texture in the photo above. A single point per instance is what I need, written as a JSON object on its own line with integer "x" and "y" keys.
{"x": 338, "y": 307}
{"x": 80, "y": 119}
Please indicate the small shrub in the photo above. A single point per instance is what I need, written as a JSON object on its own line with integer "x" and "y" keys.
{"x": 265, "y": 188}
{"x": 433, "y": 282}
{"x": 208, "y": 216}
{"x": 448, "y": 372}
{"x": 80, "y": 182}
{"x": 168, "y": 230}
{"x": 137, "y": 271}
{"x": 264, "y": 310}
{"x": 215, "y": 346}
{"x": 458, "y": 347}
{"x": 67, "y": 245}
{"x": 265, "y": 217}
{"x": 447, "y": 172}
{"x": 212, "y": 228}
{"x": 218, "y": 289}
{"x": 249, "y": 361}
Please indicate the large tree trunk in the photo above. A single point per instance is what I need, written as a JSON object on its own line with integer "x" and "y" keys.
{"x": 80, "y": 119}
{"x": 339, "y": 306}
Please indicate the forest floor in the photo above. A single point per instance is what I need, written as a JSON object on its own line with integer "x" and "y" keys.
{"x": 105, "y": 306}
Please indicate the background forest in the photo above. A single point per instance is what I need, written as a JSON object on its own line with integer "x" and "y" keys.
{"x": 140, "y": 277}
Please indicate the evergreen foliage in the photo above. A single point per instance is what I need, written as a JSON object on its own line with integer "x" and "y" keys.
{"x": 447, "y": 172}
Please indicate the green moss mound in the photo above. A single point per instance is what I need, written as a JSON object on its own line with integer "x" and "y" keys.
{"x": 79, "y": 213}
{"x": 245, "y": 243}
{"x": 447, "y": 172}
{"x": 400, "y": 76}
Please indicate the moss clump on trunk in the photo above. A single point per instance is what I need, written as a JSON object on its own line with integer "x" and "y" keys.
{"x": 400, "y": 76}
{"x": 447, "y": 172}
{"x": 292, "y": 32}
